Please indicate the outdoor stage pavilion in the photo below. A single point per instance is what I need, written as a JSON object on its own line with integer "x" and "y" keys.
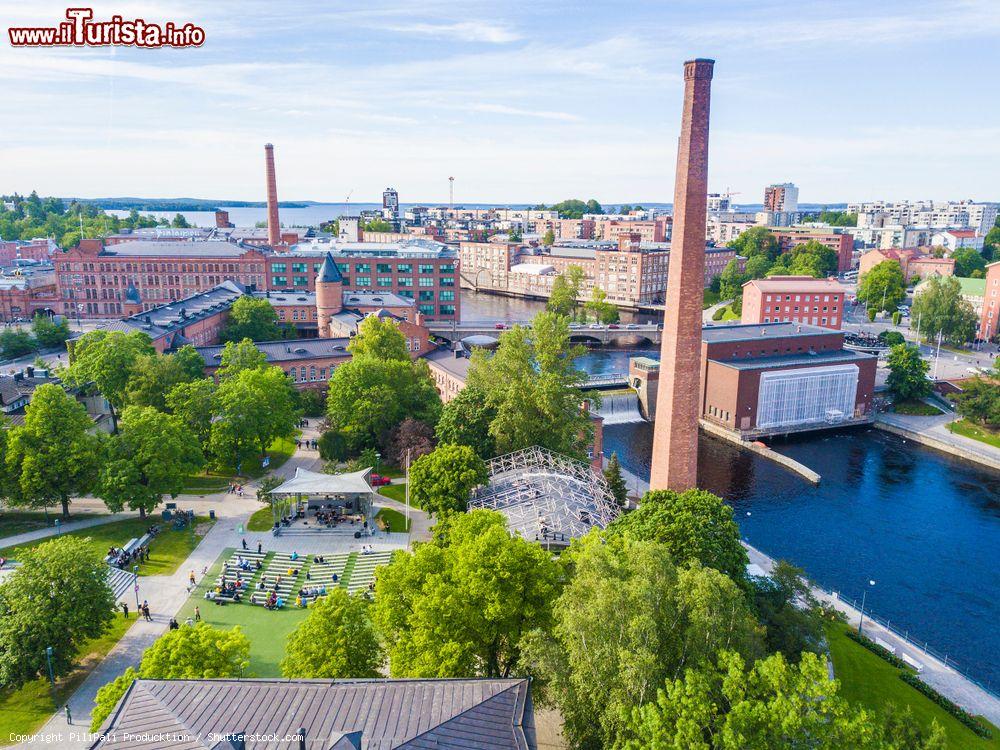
{"x": 546, "y": 497}
{"x": 344, "y": 494}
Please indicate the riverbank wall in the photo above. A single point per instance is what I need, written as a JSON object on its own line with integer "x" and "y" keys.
{"x": 938, "y": 444}
{"x": 762, "y": 450}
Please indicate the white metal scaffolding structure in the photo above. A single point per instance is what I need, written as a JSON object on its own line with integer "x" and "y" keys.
{"x": 546, "y": 496}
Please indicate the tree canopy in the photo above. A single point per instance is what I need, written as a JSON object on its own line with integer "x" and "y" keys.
{"x": 979, "y": 401}
{"x": 153, "y": 376}
{"x": 466, "y": 420}
{"x": 756, "y": 241}
{"x": 107, "y": 359}
{"x": 694, "y": 525}
{"x": 49, "y": 333}
{"x": 57, "y": 597}
{"x": 336, "y": 640}
{"x": 251, "y": 318}
{"x": 458, "y": 608}
{"x": 253, "y": 408}
{"x": 969, "y": 262}
{"x": 150, "y": 457}
{"x": 193, "y": 403}
{"x": 882, "y": 287}
{"x": 51, "y": 457}
{"x": 379, "y": 338}
{"x": 440, "y": 481}
{"x": 730, "y": 705}
{"x": 628, "y": 621}
{"x": 907, "y": 373}
{"x": 533, "y": 385}
{"x": 573, "y": 208}
{"x": 33, "y": 216}
{"x": 238, "y": 356}
{"x": 941, "y": 308}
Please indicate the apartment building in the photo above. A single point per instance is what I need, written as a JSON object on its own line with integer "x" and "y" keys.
{"x": 793, "y": 299}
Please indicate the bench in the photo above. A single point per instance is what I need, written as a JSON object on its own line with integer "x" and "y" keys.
{"x": 886, "y": 645}
{"x": 911, "y": 661}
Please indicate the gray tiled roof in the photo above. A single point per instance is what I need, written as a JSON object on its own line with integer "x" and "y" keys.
{"x": 835, "y": 357}
{"x": 760, "y": 331}
{"x": 474, "y": 714}
{"x": 285, "y": 351}
{"x": 177, "y": 249}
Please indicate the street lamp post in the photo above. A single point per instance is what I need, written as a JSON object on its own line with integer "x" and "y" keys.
{"x": 378, "y": 457}
{"x": 52, "y": 677}
{"x": 135, "y": 585}
{"x": 864, "y": 594}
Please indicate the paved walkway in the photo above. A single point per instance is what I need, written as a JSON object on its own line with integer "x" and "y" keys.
{"x": 33, "y": 536}
{"x": 936, "y": 427}
{"x": 943, "y": 678}
{"x": 167, "y": 594}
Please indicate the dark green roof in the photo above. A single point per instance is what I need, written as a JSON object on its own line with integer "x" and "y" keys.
{"x": 329, "y": 273}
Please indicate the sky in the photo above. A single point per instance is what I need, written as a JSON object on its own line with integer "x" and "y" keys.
{"x": 532, "y": 101}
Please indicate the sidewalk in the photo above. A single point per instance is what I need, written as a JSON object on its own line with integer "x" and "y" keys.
{"x": 32, "y": 536}
{"x": 936, "y": 431}
{"x": 944, "y": 679}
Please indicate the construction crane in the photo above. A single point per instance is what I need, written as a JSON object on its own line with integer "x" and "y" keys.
{"x": 451, "y": 192}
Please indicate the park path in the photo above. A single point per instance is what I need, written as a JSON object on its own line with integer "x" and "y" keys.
{"x": 84, "y": 523}
{"x": 166, "y": 595}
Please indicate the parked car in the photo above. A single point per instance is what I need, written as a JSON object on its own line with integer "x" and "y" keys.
{"x": 575, "y": 325}
{"x": 631, "y": 326}
{"x": 500, "y": 326}
{"x": 377, "y": 480}
{"x": 595, "y": 325}
{"x": 614, "y": 326}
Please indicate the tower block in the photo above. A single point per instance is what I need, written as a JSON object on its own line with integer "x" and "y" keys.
{"x": 674, "y": 463}
{"x": 329, "y": 295}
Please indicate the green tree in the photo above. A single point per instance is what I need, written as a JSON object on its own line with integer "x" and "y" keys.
{"x": 613, "y": 475}
{"x": 16, "y": 342}
{"x": 787, "y": 608}
{"x": 150, "y": 457}
{"x": 238, "y": 356}
{"x": 251, "y": 318}
{"x": 907, "y": 373}
{"x": 153, "y": 377}
{"x": 694, "y": 525}
{"x": 459, "y": 609}
{"x": 253, "y": 408}
{"x": 732, "y": 280}
{"x": 770, "y": 704}
{"x": 941, "y": 309}
{"x": 368, "y": 397}
{"x": 549, "y": 238}
{"x": 892, "y": 338}
{"x": 561, "y": 300}
{"x": 48, "y": 333}
{"x": 57, "y": 597}
{"x": 968, "y": 261}
{"x": 757, "y": 266}
{"x": 756, "y": 241}
{"x": 812, "y": 258}
{"x": 196, "y": 652}
{"x": 52, "y": 456}
{"x": 466, "y": 419}
{"x": 108, "y": 696}
{"x": 379, "y": 338}
{"x": 532, "y": 384}
{"x": 979, "y": 401}
{"x": 337, "y": 640}
{"x": 602, "y": 310}
{"x": 194, "y": 403}
{"x": 883, "y": 287}
{"x": 573, "y": 208}
{"x": 991, "y": 243}
{"x": 179, "y": 222}
{"x": 190, "y": 361}
{"x": 440, "y": 481}
{"x": 106, "y": 359}
{"x": 628, "y": 621}
{"x": 333, "y": 446}
{"x": 513, "y": 235}
{"x": 376, "y": 225}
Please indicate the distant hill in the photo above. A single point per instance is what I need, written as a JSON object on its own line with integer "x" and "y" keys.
{"x": 179, "y": 204}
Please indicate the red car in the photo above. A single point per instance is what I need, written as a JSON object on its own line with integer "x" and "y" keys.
{"x": 377, "y": 480}
{"x": 500, "y": 326}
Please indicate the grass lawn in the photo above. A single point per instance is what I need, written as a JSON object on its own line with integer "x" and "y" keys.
{"x": 730, "y": 315}
{"x": 915, "y": 408}
{"x": 218, "y": 478}
{"x": 168, "y": 549}
{"x": 976, "y": 432}
{"x": 266, "y": 630}
{"x": 394, "y": 492}
{"x": 710, "y": 298}
{"x": 870, "y": 680}
{"x": 24, "y": 711}
{"x": 261, "y": 520}
{"x": 395, "y": 520}
{"x": 14, "y": 522}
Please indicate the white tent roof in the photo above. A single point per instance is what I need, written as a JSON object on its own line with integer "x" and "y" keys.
{"x": 316, "y": 483}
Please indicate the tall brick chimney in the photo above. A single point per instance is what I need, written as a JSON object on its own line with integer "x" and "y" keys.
{"x": 674, "y": 464}
{"x": 273, "y": 225}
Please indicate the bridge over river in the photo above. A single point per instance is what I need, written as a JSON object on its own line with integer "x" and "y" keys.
{"x": 619, "y": 334}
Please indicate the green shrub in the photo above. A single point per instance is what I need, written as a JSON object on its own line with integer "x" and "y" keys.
{"x": 878, "y": 650}
{"x": 718, "y": 314}
{"x": 954, "y": 709}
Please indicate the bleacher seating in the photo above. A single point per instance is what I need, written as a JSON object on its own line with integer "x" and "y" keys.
{"x": 231, "y": 570}
{"x": 279, "y": 565}
{"x": 363, "y": 572}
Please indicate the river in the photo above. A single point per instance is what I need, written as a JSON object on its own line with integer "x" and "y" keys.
{"x": 923, "y": 526}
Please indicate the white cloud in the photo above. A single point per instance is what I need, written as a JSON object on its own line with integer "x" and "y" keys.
{"x": 465, "y": 31}
{"x": 503, "y": 109}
